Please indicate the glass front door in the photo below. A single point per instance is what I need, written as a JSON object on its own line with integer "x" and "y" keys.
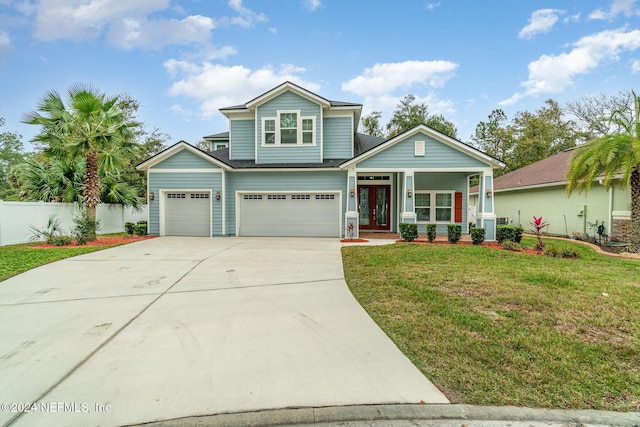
{"x": 374, "y": 207}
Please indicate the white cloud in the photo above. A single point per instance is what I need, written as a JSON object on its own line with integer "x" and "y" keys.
{"x": 312, "y": 4}
{"x": 541, "y": 21}
{"x": 635, "y": 67}
{"x": 131, "y": 33}
{"x": 385, "y": 78}
{"x": 431, "y": 6}
{"x": 5, "y": 45}
{"x": 214, "y": 86}
{"x": 552, "y": 74}
{"x": 246, "y": 17}
{"x": 624, "y": 7}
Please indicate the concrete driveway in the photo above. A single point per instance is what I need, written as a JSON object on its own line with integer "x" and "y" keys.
{"x": 175, "y": 327}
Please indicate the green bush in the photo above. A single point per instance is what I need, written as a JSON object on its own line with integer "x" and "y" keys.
{"x": 431, "y": 232}
{"x": 477, "y": 235}
{"x": 62, "y": 240}
{"x": 408, "y": 232}
{"x": 555, "y": 252}
{"x": 454, "y": 232}
{"x": 140, "y": 228}
{"x": 84, "y": 228}
{"x": 510, "y": 245}
{"x": 509, "y": 232}
{"x": 49, "y": 234}
{"x": 129, "y": 228}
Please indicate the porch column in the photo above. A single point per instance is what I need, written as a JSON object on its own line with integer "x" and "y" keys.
{"x": 486, "y": 213}
{"x": 351, "y": 215}
{"x": 408, "y": 213}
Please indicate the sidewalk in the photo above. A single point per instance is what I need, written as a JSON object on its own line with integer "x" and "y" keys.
{"x": 414, "y": 415}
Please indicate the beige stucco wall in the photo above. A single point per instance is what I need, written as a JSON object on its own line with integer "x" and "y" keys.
{"x": 565, "y": 214}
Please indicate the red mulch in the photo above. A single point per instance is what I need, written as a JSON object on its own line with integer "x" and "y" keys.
{"x": 118, "y": 240}
{"x": 353, "y": 240}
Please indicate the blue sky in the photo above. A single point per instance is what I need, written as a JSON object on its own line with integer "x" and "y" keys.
{"x": 185, "y": 59}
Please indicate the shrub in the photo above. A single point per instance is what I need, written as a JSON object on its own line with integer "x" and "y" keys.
{"x": 49, "y": 234}
{"x": 510, "y": 245}
{"x": 555, "y": 252}
{"x": 140, "y": 228}
{"x": 129, "y": 228}
{"x": 477, "y": 235}
{"x": 84, "y": 228}
{"x": 431, "y": 232}
{"x": 454, "y": 232}
{"x": 408, "y": 232}
{"x": 509, "y": 232}
{"x": 62, "y": 240}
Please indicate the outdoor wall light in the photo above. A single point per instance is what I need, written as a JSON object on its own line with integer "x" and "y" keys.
{"x": 352, "y": 192}
{"x": 488, "y": 193}
{"x": 409, "y": 193}
{"x": 152, "y": 196}
{"x": 217, "y": 195}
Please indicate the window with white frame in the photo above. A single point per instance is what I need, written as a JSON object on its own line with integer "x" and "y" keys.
{"x": 288, "y": 128}
{"x": 434, "y": 206}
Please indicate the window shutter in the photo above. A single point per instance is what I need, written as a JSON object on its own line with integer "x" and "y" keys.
{"x": 458, "y": 206}
{"x": 418, "y": 148}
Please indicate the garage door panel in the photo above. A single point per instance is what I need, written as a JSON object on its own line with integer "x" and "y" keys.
{"x": 187, "y": 214}
{"x": 279, "y": 214}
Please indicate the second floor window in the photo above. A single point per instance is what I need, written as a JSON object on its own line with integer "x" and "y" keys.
{"x": 288, "y": 128}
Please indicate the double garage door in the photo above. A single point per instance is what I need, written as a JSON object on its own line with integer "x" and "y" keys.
{"x": 187, "y": 213}
{"x": 289, "y": 214}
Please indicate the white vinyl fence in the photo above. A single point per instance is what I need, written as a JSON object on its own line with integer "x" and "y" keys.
{"x": 17, "y": 218}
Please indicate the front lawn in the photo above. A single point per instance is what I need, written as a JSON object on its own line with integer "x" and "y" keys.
{"x": 16, "y": 259}
{"x": 494, "y": 327}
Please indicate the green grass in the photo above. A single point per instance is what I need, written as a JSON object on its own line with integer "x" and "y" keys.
{"x": 494, "y": 327}
{"x": 16, "y": 259}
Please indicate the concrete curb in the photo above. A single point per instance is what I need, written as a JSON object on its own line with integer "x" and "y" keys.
{"x": 365, "y": 414}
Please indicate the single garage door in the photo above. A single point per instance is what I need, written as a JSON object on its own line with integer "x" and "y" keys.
{"x": 280, "y": 214}
{"x": 187, "y": 214}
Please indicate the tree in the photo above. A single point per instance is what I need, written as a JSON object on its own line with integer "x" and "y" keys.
{"x": 371, "y": 124}
{"x": 91, "y": 126}
{"x": 593, "y": 113}
{"x": 495, "y": 137}
{"x": 11, "y": 154}
{"x": 406, "y": 115}
{"x": 442, "y": 125}
{"x": 612, "y": 155}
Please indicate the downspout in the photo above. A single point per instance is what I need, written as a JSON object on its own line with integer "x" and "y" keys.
{"x": 610, "y": 213}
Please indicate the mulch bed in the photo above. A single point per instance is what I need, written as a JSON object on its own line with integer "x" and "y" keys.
{"x": 486, "y": 245}
{"x": 117, "y": 240}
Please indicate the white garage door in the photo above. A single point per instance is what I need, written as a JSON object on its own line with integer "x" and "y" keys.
{"x": 280, "y": 214}
{"x": 187, "y": 213}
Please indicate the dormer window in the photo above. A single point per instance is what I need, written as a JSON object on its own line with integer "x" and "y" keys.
{"x": 288, "y": 128}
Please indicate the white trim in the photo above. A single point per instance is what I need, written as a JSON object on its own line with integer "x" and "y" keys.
{"x": 289, "y": 170}
{"x": 223, "y": 202}
{"x": 453, "y": 169}
{"x": 433, "y": 207}
{"x": 175, "y": 150}
{"x": 286, "y": 87}
{"x": 197, "y": 170}
{"x": 621, "y": 215}
{"x": 239, "y": 193}
{"x": 470, "y": 151}
{"x": 163, "y": 191}
{"x": 337, "y": 113}
{"x": 299, "y": 130}
{"x": 239, "y": 115}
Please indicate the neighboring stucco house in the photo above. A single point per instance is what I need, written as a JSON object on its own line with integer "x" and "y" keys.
{"x": 292, "y": 164}
{"x": 540, "y": 189}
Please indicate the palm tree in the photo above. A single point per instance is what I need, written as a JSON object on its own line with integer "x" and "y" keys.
{"x": 612, "y": 156}
{"x": 91, "y": 126}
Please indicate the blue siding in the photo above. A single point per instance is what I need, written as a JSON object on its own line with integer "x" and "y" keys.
{"x": 438, "y": 155}
{"x": 281, "y": 181}
{"x": 184, "y": 181}
{"x": 242, "y": 145}
{"x": 449, "y": 181}
{"x": 279, "y": 154}
{"x": 184, "y": 159}
{"x": 338, "y": 138}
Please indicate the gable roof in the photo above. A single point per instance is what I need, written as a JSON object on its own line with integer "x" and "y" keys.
{"x": 285, "y": 87}
{"x": 176, "y": 148}
{"x": 375, "y": 148}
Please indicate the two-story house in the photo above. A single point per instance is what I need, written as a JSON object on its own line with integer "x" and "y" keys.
{"x": 293, "y": 164}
